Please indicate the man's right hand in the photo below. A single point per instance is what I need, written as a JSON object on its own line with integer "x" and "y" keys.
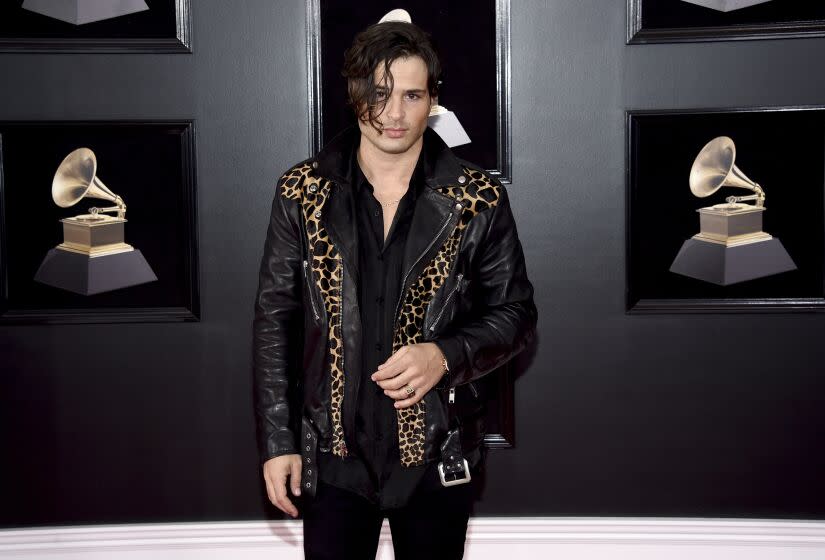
{"x": 276, "y": 471}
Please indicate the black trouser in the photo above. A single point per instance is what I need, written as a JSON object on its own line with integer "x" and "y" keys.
{"x": 343, "y": 525}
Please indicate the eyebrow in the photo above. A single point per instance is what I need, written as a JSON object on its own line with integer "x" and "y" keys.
{"x": 418, "y": 91}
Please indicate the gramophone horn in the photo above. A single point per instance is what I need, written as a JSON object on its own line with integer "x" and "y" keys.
{"x": 714, "y": 168}
{"x": 76, "y": 179}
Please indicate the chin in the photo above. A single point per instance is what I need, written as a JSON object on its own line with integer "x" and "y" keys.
{"x": 395, "y": 145}
{"x": 392, "y": 148}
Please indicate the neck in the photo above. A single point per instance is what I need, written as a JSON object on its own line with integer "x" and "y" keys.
{"x": 381, "y": 168}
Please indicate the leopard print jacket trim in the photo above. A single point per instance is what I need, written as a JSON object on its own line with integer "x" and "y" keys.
{"x": 312, "y": 192}
{"x": 326, "y": 265}
{"x": 478, "y": 195}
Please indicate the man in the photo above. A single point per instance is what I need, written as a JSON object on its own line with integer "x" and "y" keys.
{"x": 392, "y": 280}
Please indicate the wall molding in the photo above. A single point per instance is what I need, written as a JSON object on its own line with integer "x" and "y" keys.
{"x": 487, "y": 538}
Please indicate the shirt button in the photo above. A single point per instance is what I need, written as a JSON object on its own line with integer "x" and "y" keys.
{"x": 378, "y": 346}
{"x": 379, "y": 300}
{"x": 376, "y": 213}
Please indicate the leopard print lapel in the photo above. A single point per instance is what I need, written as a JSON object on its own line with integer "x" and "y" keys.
{"x": 327, "y": 270}
{"x": 479, "y": 194}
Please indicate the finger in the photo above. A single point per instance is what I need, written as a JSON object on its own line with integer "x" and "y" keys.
{"x": 406, "y": 403}
{"x": 399, "y": 394}
{"x": 397, "y": 382}
{"x": 281, "y": 500}
{"x": 270, "y": 490}
{"x": 399, "y": 353}
{"x": 391, "y": 370}
{"x": 295, "y": 476}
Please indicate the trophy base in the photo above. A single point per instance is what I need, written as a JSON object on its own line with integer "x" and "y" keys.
{"x": 79, "y": 12}
{"x": 724, "y": 265}
{"x": 726, "y": 5}
{"x": 731, "y": 223}
{"x": 86, "y": 275}
{"x": 733, "y": 241}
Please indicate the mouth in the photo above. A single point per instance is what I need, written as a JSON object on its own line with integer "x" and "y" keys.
{"x": 395, "y": 132}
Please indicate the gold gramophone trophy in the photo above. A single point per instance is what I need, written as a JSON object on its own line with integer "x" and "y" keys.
{"x": 93, "y": 257}
{"x": 730, "y": 246}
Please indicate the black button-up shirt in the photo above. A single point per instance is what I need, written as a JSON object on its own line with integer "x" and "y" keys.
{"x": 375, "y": 470}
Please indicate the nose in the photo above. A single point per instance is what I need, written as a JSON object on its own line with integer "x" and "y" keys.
{"x": 395, "y": 108}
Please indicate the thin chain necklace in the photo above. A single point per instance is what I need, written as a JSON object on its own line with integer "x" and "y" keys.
{"x": 387, "y": 203}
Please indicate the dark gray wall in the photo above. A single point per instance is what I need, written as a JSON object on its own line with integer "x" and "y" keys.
{"x": 703, "y": 415}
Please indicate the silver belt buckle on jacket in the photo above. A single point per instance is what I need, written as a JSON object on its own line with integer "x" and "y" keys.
{"x": 453, "y": 468}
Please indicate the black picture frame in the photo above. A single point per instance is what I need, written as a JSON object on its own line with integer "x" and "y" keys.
{"x": 782, "y": 148}
{"x": 676, "y": 21}
{"x": 151, "y": 165}
{"x": 165, "y": 28}
{"x": 476, "y": 73}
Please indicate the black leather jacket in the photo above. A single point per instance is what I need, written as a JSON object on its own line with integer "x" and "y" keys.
{"x": 465, "y": 288}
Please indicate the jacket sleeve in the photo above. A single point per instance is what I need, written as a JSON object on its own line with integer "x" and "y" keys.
{"x": 276, "y": 328}
{"x": 506, "y": 321}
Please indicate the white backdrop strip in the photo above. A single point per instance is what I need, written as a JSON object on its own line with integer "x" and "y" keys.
{"x": 488, "y": 538}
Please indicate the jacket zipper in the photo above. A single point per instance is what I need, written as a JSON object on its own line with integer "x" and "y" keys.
{"x": 406, "y": 276}
{"x": 473, "y": 390}
{"x": 343, "y": 354}
{"x": 309, "y": 288}
{"x": 458, "y": 279}
{"x": 421, "y": 256}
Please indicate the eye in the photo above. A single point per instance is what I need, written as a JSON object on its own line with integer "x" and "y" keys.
{"x": 413, "y": 96}
{"x": 380, "y": 95}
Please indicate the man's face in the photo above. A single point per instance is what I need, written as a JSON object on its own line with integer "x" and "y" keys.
{"x": 404, "y": 116}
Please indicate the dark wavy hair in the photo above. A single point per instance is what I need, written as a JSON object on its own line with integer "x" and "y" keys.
{"x": 382, "y": 44}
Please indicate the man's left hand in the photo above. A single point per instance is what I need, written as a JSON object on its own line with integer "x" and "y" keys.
{"x": 417, "y": 366}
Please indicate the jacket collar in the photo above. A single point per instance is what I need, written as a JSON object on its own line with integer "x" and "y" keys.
{"x": 440, "y": 166}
